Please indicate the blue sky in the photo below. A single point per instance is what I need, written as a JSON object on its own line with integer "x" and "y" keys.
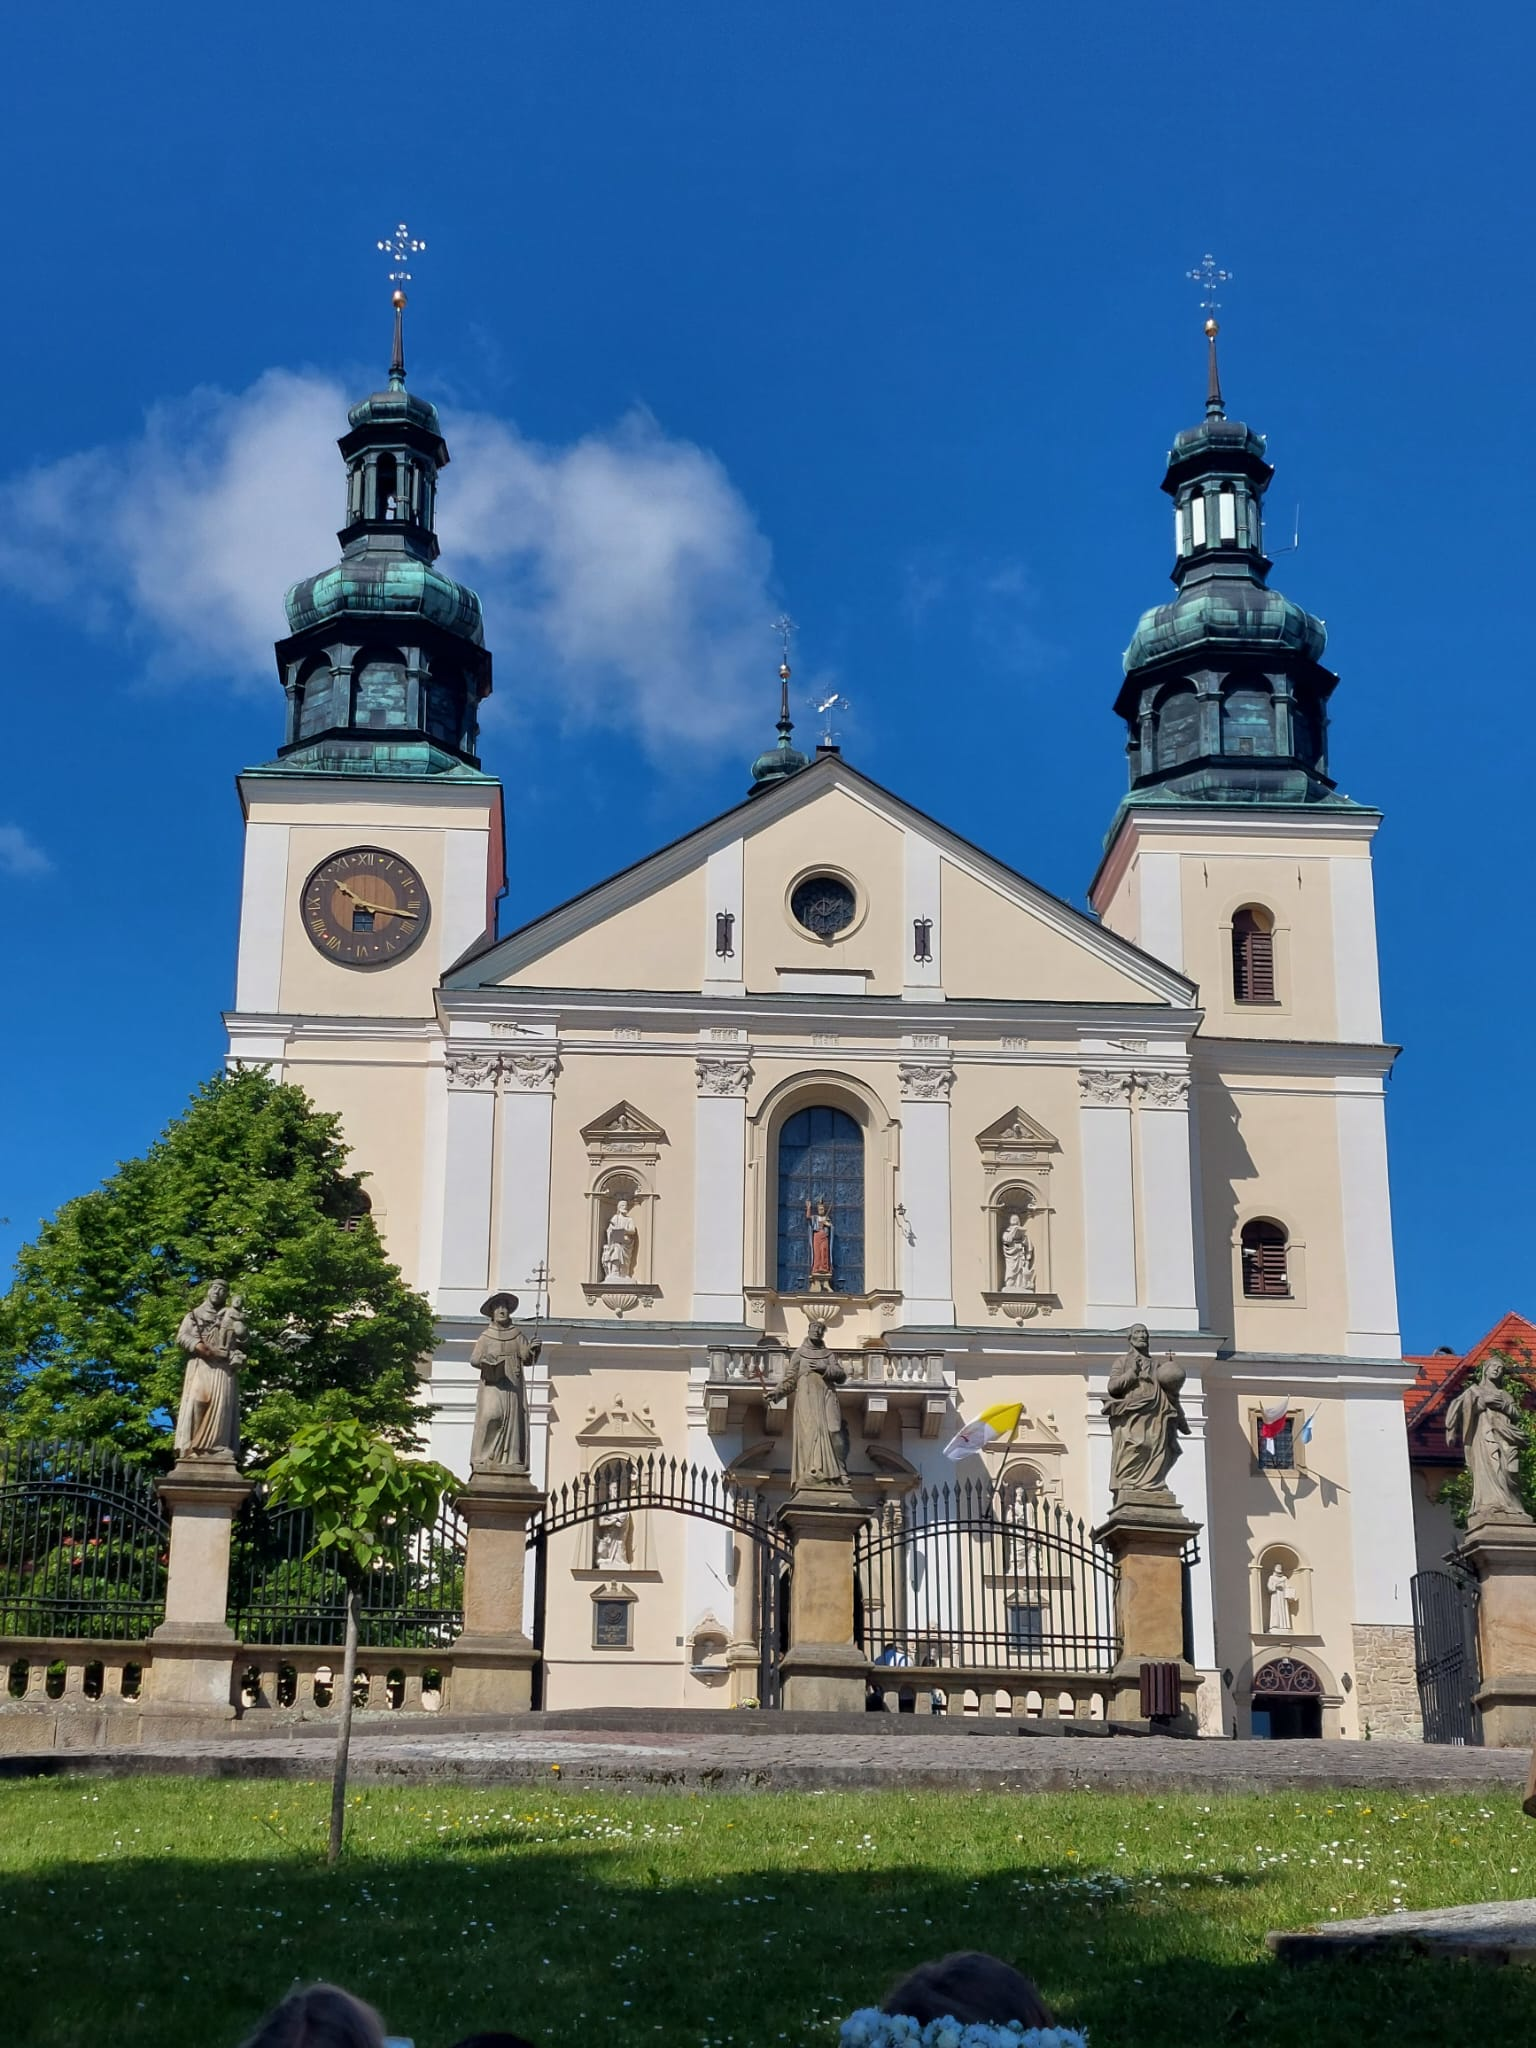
{"x": 876, "y": 311}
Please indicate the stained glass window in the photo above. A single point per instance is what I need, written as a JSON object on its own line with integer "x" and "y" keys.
{"x": 824, "y": 905}
{"x": 821, "y": 1157}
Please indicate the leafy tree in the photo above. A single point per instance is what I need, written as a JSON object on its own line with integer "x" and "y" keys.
{"x": 356, "y": 1486}
{"x": 1456, "y": 1492}
{"x": 249, "y": 1184}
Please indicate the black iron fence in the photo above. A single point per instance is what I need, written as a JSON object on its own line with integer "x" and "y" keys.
{"x": 1445, "y": 1654}
{"x": 412, "y": 1597}
{"x": 967, "y": 1575}
{"x": 83, "y": 1543}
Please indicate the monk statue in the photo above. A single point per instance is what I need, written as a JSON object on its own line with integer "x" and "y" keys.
{"x": 1486, "y": 1419}
{"x": 1146, "y": 1420}
{"x": 212, "y": 1335}
{"x": 502, "y": 1356}
{"x": 818, "y": 1434}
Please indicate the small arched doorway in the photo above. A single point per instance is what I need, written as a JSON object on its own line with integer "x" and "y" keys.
{"x": 1287, "y": 1703}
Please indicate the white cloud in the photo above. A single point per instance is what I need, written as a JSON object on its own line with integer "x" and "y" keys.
{"x": 20, "y": 854}
{"x": 624, "y": 577}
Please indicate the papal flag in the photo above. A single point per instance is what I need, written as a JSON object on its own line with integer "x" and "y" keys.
{"x": 990, "y": 1427}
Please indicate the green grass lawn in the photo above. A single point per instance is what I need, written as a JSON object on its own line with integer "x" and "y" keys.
{"x": 173, "y": 1912}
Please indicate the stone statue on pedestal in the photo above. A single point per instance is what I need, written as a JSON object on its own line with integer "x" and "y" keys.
{"x": 212, "y": 1335}
{"x": 1146, "y": 1420}
{"x": 1278, "y": 1587}
{"x": 1485, "y": 1418}
{"x": 621, "y": 1242}
{"x": 818, "y": 1434}
{"x": 821, "y": 1231}
{"x": 1018, "y": 1257}
{"x": 502, "y": 1356}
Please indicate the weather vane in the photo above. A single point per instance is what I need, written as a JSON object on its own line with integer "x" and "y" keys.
{"x": 1208, "y": 274}
{"x": 824, "y": 708}
{"x": 402, "y": 246}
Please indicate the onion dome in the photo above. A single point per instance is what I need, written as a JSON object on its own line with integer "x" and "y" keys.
{"x": 786, "y": 759}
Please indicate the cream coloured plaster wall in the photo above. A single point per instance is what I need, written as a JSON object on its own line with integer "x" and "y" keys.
{"x": 656, "y": 943}
{"x": 1308, "y": 1513}
{"x": 846, "y": 836}
{"x": 1293, "y": 885}
{"x": 593, "y": 1078}
{"x": 1269, "y": 1147}
{"x": 995, "y": 949}
{"x": 380, "y": 1093}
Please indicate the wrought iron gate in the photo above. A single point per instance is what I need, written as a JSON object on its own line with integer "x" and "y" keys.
{"x": 610, "y": 1498}
{"x": 1445, "y": 1655}
{"x": 83, "y": 1543}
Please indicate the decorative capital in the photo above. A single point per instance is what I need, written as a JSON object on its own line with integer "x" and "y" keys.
{"x": 1104, "y": 1088}
{"x": 471, "y": 1070}
{"x": 922, "y": 1081}
{"x": 723, "y": 1073}
{"x": 1163, "y": 1091}
{"x": 530, "y": 1073}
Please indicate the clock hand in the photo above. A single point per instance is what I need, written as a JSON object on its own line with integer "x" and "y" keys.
{"x": 366, "y": 903}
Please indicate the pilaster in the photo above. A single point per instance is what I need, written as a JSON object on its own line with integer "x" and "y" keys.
{"x": 469, "y": 1141}
{"x": 1166, "y": 1208}
{"x": 525, "y": 1156}
{"x": 927, "y": 1269}
{"x": 723, "y": 1074}
{"x": 1109, "y": 1214}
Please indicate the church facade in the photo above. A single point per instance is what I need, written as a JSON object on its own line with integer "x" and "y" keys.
{"x": 826, "y": 1060}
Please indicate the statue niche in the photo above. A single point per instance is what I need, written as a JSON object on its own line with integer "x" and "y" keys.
{"x": 624, "y": 1148}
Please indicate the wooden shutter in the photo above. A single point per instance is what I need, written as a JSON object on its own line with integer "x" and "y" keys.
{"x": 1266, "y": 1269}
{"x": 1253, "y": 959}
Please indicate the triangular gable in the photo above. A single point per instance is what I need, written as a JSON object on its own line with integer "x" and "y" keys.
{"x": 623, "y": 1128}
{"x": 1015, "y": 1139}
{"x": 494, "y": 962}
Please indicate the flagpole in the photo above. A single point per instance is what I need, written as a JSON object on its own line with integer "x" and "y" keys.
{"x": 1002, "y": 1465}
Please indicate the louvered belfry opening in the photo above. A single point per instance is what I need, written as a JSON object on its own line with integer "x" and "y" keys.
{"x": 1266, "y": 1267}
{"x": 1253, "y": 956}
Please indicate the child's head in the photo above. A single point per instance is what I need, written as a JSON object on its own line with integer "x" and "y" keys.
{"x": 320, "y": 2016}
{"x": 972, "y": 1988}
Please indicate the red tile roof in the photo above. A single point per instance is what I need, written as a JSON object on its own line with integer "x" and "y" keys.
{"x": 1441, "y": 1375}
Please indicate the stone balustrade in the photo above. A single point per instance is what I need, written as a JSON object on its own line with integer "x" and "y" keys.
{"x": 302, "y": 1680}
{"x": 966, "y": 1689}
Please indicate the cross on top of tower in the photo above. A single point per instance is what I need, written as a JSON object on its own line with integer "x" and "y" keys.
{"x": 1208, "y": 274}
{"x": 400, "y": 248}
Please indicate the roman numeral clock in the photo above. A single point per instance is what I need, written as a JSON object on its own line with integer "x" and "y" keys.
{"x": 364, "y": 907}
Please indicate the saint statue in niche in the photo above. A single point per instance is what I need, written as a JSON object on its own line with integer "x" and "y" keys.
{"x": 1278, "y": 1587}
{"x": 621, "y": 1243}
{"x": 1018, "y": 1256}
{"x": 1485, "y": 1418}
{"x": 502, "y": 1356}
{"x": 212, "y": 1335}
{"x": 1146, "y": 1420}
{"x": 822, "y": 1231}
{"x": 818, "y": 1434}
{"x": 615, "y": 1537}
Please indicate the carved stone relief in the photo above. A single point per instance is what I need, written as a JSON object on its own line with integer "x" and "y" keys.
{"x": 925, "y": 1081}
{"x": 723, "y": 1073}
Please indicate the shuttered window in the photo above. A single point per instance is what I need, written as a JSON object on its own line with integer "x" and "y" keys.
{"x": 1266, "y": 1260}
{"x": 1253, "y": 956}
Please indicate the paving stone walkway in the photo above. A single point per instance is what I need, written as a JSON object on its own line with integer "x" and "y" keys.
{"x": 767, "y": 1760}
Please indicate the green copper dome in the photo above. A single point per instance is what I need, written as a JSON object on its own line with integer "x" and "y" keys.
{"x": 367, "y": 579}
{"x": 1225, "y": 614}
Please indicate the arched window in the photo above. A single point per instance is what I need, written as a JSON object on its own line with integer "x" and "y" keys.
{"x": 1178, "y": 728}
{"x": 1266, "y": 1258}
{"x": 1253, "y": 955}
{"x": 315, "y": 700}
{"x": 443, "y": 711}
{"x": 384, "y": 488}
{"x": 1247, "y": 723}
{"x": 821, "y": 1159}
{"x": 379, "y": 693}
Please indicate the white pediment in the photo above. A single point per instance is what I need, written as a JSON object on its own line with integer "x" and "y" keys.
{"x": 620, "y": 1426}
{"x": 1015, "y": 1139}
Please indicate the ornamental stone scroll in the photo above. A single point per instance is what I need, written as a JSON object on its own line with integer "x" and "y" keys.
{"x": 471, "y": 1070}
{"x": 923, "y": 1081}
{"x": 530, "y": 1073}
{"x": 723, "y": 1073}
{"x": 1104, "y": 1088}
{"x": 1163, "y": 1091}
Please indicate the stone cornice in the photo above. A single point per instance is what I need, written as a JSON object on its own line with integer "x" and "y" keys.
{"x": 1185, "y": 822}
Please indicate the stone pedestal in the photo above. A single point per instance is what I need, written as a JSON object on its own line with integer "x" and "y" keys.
{"x": 493, "y": 1660}
{"x": 1146, "y": 1539}
{"x": 190, "y": 1681}
{"x": 1502, "y": 1553}
{"x": 823, "y": 1670}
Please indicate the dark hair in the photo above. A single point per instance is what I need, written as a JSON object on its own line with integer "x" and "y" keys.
{"x": 320, "y": 2016}
{"x": 972, "y": 1988}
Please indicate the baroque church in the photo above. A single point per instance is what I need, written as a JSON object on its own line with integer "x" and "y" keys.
{"x": 826, "y": 1060}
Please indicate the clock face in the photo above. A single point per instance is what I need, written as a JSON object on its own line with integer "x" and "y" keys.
{"x": 364, "y": 907}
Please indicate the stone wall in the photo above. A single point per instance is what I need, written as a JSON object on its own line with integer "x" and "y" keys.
{"x": 1386, "y": 1695}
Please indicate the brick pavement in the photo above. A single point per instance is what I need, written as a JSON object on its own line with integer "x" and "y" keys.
{"x": 765, "y": 1759}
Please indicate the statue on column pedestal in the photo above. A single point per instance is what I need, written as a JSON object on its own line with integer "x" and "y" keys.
{"x": 208, "y": 1416}
{"x": 818, "y": 1434}
{"x": 502, "y": 1356}
{"x": 1146, "y": 1420}
{"x": 1486, "y": 1419}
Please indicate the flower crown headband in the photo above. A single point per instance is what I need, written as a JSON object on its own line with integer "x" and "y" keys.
{"x": 871, "y": 2028}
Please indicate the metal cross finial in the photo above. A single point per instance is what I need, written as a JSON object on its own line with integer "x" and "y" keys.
{"x": 824, "y": 708}
{"x": 784, "y": 626}
{"x": 400, "y": 248}
{"x": 1208, "y": 274}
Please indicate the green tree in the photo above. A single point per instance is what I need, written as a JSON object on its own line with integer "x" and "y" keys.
{"x": 1456, "y": 1492}
{"x": 249, "y": 1184}
{"x": 357, "y": 1487}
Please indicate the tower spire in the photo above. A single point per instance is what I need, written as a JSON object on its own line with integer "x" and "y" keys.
{"x": 1208, "y": 274}
{"x": 401, "y": 246}
{"x": 786, "y": 759}
{"x": 1215, "y": 405}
